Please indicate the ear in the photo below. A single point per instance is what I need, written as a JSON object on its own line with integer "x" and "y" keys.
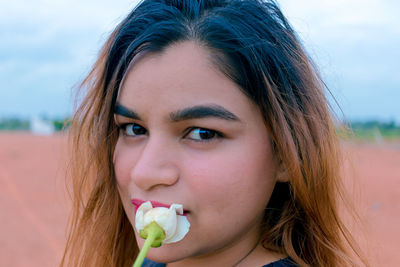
{"x": 282, "y": 174}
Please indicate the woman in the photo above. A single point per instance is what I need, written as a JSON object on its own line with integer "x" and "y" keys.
{"x": 214, "y": 105}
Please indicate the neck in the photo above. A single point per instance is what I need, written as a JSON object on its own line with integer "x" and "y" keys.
{"x": 236, "y": 255}
{"x": 245, "y": 256}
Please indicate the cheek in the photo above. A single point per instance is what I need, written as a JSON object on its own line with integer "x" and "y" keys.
{"x": 242, "y": 175}
{"x": 122, "y": 166}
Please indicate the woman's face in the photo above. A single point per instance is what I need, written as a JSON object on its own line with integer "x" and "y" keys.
{"x": 190, "y": 136}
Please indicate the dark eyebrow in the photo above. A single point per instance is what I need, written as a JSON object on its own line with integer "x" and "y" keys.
{"x": 198, "y": 112}
{"x": 124, "y": 111}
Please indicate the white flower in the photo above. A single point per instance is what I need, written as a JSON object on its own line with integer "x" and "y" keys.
{"x": 171, "y": 220}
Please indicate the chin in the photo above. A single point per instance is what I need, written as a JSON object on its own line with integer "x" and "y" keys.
{"x": 167, "y": 254}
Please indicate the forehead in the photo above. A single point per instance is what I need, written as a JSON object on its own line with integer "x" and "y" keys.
{"x": 176, "y": 65}
{"x": 182, "y": 75}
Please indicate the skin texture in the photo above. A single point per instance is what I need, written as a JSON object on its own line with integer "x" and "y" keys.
{"x": 224, "y": 182}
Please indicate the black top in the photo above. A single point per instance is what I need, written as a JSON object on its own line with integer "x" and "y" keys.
{"x": 286, "y": 262}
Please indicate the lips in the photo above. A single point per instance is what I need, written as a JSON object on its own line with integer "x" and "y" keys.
{"x": 138, "y": 202}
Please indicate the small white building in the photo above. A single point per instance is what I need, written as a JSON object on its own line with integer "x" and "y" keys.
{"x": 39, "y": 126}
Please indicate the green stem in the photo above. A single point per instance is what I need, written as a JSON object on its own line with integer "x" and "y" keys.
{"x": 153, "y": 234}
{"x": 142, "y": 254}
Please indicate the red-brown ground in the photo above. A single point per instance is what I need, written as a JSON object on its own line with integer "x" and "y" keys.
{"x": 34, "y": 206}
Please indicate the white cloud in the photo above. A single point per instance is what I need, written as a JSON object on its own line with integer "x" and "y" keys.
{"x": 47, "y": 45}
{"x": 324, "y": 18}
{"x": 65, "y": 12}
{"x": 355, "y": 42}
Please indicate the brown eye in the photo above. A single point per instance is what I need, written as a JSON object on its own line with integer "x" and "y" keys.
{"x": 133, "y": 129}
{"x": 202, "y": 134}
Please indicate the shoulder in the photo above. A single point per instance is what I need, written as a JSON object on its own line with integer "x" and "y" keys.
{"x": 286, "y": 262}
{"x": 149, "y": 263}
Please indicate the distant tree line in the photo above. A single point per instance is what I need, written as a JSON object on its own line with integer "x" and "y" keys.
{"x": 18, "y": 124}
{"x": 14, "y": 124}
{"x": 370, "y": 130}
{"x": 391, "y": 125}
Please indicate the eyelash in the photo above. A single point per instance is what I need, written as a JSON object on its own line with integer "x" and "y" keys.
{"x": 214, "y": 134}
{"x": 122, "y": 128}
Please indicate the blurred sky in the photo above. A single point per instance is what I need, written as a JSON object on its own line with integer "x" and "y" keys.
{"x": 47, "y": 47}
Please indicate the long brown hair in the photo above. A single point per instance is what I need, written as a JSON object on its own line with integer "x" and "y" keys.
{"x": 252, "y": 43}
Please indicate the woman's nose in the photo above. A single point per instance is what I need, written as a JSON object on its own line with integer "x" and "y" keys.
{"x": 156, "y": 165}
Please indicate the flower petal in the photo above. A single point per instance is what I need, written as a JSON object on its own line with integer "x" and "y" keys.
{"x": 182, "y": 228}
{"x": 174, "y": 226}
{"x": 139, "y": 219}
